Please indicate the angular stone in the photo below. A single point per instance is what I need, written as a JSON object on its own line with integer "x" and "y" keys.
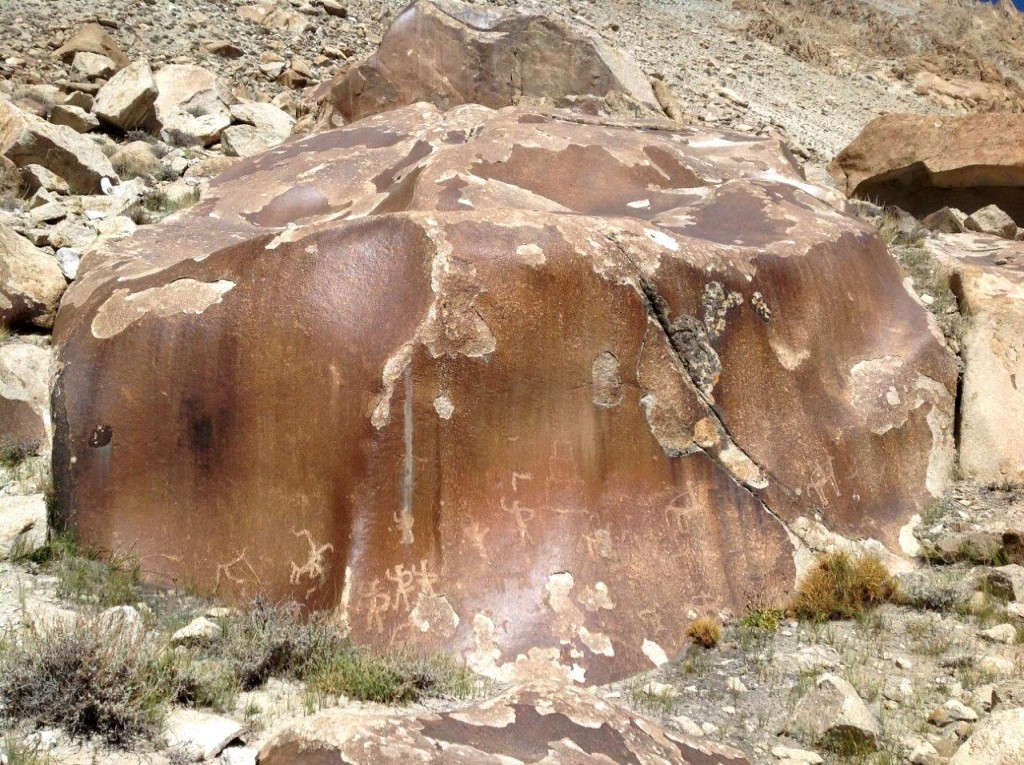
{"x": 192, "y": 104}
{"x": 989, "y": 276}
{"x": 831, "y": 715}
{"x": 948, "y": 220}
{"x": 126, "y": 101}
{"x": 519, "y": 469}
{"x": 265, "y": 127}
{"x": 38, "y": 177}
{"x": 991, "y": 220}
{"x": 1001, "y": 633}
{"x": 93, "y": 66}
{"x": 77, "y": 119}
{"x": 196, "y": 632}
{"x": 24, "y": 397}
{"x": 529, "y": 722}
{"x": 1007, "y": 581}
{"x": 997, "y": 740}
{"x": 199, "y": 734}
{"x": 922, "y": 163}
{"x": 31, "y": 283}
{"x": 474, "y": 54}
{"x": 92, "y": 38}
{"x": 22, "y": 524}
{"x": 27, "y": 140}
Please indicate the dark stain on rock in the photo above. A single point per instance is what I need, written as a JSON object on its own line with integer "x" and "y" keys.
{"x": 101, "y": 436}
{"x": 295, "y": 204}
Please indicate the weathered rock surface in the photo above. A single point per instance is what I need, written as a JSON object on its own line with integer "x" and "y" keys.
{"x": 991, "y": 220}
{"x": 24, "y": 396}
{"x": 923, "y": 163}
{"x": 475, "y": 54}
{"x": 987, "y": 274}
{"x": 264, "y": 126}
{"x": 31, "y": 282}
{"x": 538, "y": 722}
{"x": 998, "y": 740}
{"x": 833, "y": 716}
{"x": 28, "y": 140}
{"x": 501, "y": 393}
{"x": 22, "y": 524}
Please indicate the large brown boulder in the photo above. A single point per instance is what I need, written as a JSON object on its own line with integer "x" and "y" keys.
{"x": 924, "y": 163}
{"x": 987, "y": 274}
{"x": 450, "y": 53}
{"x": 539, "y": 722}
{"x": 486, "y": 381}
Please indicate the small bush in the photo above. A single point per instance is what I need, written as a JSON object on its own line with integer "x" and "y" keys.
{"x": 840, "y": 586}
{"x": 12, "y": 455}
{"x": 398, "y": 678}
{"x": 84, "y": 576}
{"x": 87, "y": 679}
{"x": 705, "y": 631}
{"x": 763, "y": 620}
{"x": 15, "y": 752}
{"x": 159, "y": 203}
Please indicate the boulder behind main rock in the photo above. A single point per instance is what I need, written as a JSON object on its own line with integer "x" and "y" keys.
{"x": 924, "y": 163}
{"x": 449, "y": 53}
{"x": 491, "y": 381}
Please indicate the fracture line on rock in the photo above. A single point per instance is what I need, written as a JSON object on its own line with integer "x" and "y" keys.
{"x": 657, "y": 309}
{"x": 407, "y": 468}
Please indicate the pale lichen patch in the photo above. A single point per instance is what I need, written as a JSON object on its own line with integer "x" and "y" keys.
{"x": 606, "y": 382}
{"x": 183, "y": 296}
{"x": 654, "y": 652}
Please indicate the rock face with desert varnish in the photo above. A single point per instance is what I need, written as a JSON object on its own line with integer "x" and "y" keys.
{"x": 451, "y": 53}
{"x": 498, "y": 381}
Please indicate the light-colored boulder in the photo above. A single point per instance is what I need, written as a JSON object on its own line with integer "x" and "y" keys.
{"x": 92, "y": 38}
{"x": 199, "y": 734}
{"x": 922, "y": 163}
{"x": 988, "y": 273}
{"x": 22, "y": 524}
{"x": 135, "y": 159}
{"x": 948, "y": 220}
{"x": 997, "y": 740}
{"x": 75, "y": 118}
{"x": 539, "y": 721}
{"x": 264, "y": 126}
{"x": 28, "y": 140}
{"x": 991, "y": 220}
{"x": 24, "y": 396}
{"x": 831, "y": 715}
{"x": 126, "y": 101}
{"x": 192, "y": 104}
{"x": 1001, "y": 633}
{"x": 31, "y": 283}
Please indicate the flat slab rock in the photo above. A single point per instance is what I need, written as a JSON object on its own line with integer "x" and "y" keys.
{"x": 536, "y": 723}
{"x": 489, "y": 381}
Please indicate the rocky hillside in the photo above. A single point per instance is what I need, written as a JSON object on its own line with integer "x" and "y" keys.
{"x": 669, "y": 414}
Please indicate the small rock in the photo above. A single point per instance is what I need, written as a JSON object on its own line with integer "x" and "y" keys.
{"x": 736, "y": 685}
{"x": 797, "y": 755}
{"x": 222, "y": 48}
{"x": 831, "y": 715}
{"x": 198, "y": 632}
{"x": 1001, "y": 633}
{"x": 1007, "y": 581}
{"x": 688, "y": 726}
{"x": 123, "y": 622}
{"x": 68, "y": 258}
{"x": 948, "y": 220}
{"x": 655, "y": 688}
{"x": 199, "y": 734}
{"x": 997, "y": 666}
{"x": 93, "y": 66}
{"x": 38, "y": 177}
{"x": 238, "y": 755}
{"x": 92, "y": 38}
{"x": 959, "y": 711}
{"x": 992, "y": 220}
{"x": 924, "y": 754}
{"x": 22, "y": 523}
{"x": 74, "y": 117}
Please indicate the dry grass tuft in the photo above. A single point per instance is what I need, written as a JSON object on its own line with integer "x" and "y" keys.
{"x": 841, "y": 586}
{"x": 705, "y": 631}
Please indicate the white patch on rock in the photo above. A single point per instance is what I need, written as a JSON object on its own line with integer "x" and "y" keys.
{"x": 654, "y": 652}
{"x": 660, "y": 237}
{"x": 185, "y": 296}
{"x": 444, "y": 407}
